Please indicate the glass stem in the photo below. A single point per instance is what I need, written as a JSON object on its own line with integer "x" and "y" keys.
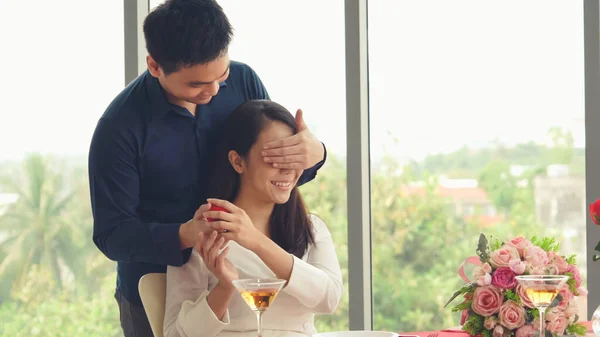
{"x": 542, "y": 312}
{"x": 259, "y": 322}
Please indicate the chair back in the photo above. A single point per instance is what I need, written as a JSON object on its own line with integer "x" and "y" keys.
{"x": 153, "y": 288}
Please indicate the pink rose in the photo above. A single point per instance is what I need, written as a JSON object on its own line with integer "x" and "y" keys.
{"x": 517, "y": 266}
{"x": 558, "y": 261}
{"x": 519, "y": 243}
{"x": 490, "y": 322}
{"x": 504, "y": 278}
{"x": 567, "y": 296}
{"x": 484, "y": 280}
{"x": 576, "y": 276}
{"x": 581, "y": 291}
{"x": 523, "y": 296}
{"x": 536, "y": 323}
{"x": 511, "y": 315}
{"x": 527, "y": 330}
{"x": 481, "y": 275}
{"x": 487, "y": 300}
{"x": 498, "y": 331}
{"x": 481, "y": 271}
{"x": 571, "y": 312}
{"x": 557, "y": 322}
{"x": 502, "y": 256}
{"x": 549, "y": 269}
{"x": 535, "y": 270}
{"x": 536, "y": 256}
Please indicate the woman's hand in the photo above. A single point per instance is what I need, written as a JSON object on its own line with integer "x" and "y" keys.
{"x": 208, "y": 246}
{"x": 234, "y": 225}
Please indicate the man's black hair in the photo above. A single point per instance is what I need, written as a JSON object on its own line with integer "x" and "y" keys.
{"x": 184, "y": 33}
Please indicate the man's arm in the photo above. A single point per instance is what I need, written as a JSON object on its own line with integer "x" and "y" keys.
{"x": 114, "y": 190}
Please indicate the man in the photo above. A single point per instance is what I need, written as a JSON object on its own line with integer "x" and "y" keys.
{"x": 152, "y": 148}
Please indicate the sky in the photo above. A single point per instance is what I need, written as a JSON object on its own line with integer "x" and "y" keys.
{"x": 442, "y": 74}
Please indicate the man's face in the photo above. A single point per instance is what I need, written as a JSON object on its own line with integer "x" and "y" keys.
{"x": 192, "y": 85}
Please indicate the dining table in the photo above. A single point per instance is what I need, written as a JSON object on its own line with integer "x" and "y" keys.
{"x": 457, "y": 332}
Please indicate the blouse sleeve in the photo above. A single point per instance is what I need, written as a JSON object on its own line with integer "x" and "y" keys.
{"x": 187, "y": 313}
{"x": 317, "y": 282}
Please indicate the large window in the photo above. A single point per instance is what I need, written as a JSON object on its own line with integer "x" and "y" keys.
{"x": 62, "y": 65}
{"x": 477, "y": 126}
{"x": 476, "y": 117}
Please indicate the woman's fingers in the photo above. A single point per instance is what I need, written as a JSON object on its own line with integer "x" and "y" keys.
{"x": 222, "y": 226}
{"x": 221, "y": 258}
{"x": 199, "y": 244}
{"x": 208, "y": 243}
{"x": 214, "y": 252}
{"x": 219, "y": 215}
{"x": 223, "y": 203}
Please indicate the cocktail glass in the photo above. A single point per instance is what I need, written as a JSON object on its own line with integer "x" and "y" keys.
{"x": 541, "y": 291}
{"x": 259, "y": 294}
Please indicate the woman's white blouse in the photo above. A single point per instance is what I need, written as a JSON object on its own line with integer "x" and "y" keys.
{"x": 315, "y": 287}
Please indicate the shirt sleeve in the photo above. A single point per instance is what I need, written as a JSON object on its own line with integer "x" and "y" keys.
{"x": 187, "y": 313}
{"x": 311, "y": 173}
{"x": 320, "y": 273}
{"x": 114, "y": 191}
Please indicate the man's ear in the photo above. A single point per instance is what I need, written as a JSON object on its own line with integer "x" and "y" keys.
{"x": 153, "y": 66}
{"x": 236, "y": 161}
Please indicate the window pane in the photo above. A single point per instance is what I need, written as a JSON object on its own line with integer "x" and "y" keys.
{"x": 62, "y": 65}
{"x": 154, "y": 3}
{"x": 477, "y": 125}
{"x": 303, "y": 66}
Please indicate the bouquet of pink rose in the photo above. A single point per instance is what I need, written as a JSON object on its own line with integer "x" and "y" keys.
{"x": 495, "y": 305}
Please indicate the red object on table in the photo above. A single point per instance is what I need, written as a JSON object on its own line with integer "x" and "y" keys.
{"x": 216, "y": 208}
{"x": 460, "y": 333}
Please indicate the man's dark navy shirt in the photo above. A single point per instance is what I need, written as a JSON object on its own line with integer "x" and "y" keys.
{"x": 148, "y": 166}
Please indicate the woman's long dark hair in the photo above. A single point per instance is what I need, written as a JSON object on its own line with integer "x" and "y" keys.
{"x": 289, "y": 225}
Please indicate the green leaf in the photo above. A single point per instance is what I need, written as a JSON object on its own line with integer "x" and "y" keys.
{"x": 571, "y": 259}
{"x": 546, "y": 243}
{"x": 576, "y": 329}
{"x": 487, "y": 333}
{"x": 465, "y": 289}
{"x": 462, "y": 306}
{"x": 571, "y": 283}
{"x": 529, "y": 314}
{"x": 495, "y": 244}
{"x": 483, "y": 250}
{"x": 510, "y": 295}
{"x": 474, "y": 324}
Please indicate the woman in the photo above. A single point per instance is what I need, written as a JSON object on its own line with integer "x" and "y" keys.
{"x": 265, "y": 233}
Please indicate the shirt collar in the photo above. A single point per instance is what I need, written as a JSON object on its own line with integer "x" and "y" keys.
{"x": 159, "y": 104}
